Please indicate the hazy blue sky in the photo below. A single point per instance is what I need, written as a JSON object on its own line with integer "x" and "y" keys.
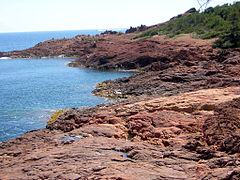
{"x": 44, "y": 15}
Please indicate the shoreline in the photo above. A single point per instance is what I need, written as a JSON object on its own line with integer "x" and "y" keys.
{"x": 63, "y": 64}
{"x": 47, "y": 57}
{"x": 179, "y": 120}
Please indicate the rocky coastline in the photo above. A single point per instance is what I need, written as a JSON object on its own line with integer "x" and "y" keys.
{"x": 177, "y": 117}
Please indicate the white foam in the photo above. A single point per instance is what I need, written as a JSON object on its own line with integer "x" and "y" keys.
{"x": 5, "y": 58}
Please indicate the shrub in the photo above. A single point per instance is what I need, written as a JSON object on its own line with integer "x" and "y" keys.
{"x": 222, "y": 22}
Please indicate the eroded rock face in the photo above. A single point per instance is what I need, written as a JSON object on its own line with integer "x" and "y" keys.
{"x": 167, "y": 78}
{"x": 223, "y": 128}
{"x": 182, "y": 121}
{"x": 121, "y": 52}
{"x": 190, "y": 136}
{"x": 160, "y": 118}
{"x": 165, "y": 66}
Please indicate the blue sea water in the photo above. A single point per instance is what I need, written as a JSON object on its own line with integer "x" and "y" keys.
{"x": 24, "y": 40}
{"x": 32, "y": 89}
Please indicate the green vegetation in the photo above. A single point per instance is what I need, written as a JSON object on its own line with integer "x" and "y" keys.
{"x": 222, "y": 22}
{"x": 55, "y": 116}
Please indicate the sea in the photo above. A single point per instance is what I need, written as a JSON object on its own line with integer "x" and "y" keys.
{"x": 33, "y": 89}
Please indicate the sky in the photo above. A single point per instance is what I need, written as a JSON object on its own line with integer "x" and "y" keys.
{"x": 50, "y": 15}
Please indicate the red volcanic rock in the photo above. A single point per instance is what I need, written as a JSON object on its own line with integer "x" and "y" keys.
{"x": 223, "y": 128}
{"x": 74, "y": 47}
{"x": 165, "y": 66}
{"x": 121, "y": 52}
{"x": 159, "y": 120}
{"x": 162, "y": 127}
{"x": 180, "y": 119}
{"x": 178, "y": 137}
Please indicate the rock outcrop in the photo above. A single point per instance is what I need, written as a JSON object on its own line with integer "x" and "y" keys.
{"x": 178, "y": 117}
{"x": 137, "y": 29}
{"x": 190, "y": 136}
{"x": 164, "y": 66}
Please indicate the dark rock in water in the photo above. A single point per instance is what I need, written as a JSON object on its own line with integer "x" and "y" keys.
{"x": 1, "y": 54}
{"x": 109, "y": 32}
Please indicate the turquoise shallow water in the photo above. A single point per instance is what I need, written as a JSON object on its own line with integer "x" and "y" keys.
{"x": 31, "y": 90}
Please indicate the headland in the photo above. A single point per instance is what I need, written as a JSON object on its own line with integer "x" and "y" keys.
{"x": 177, "y": 117}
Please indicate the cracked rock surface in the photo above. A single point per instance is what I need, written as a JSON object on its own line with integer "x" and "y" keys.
{"x": 180, "y": 117}
{"x": 189, "y": 136}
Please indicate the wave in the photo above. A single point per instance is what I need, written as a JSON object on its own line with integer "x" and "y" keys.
{"x": 5, "y": 58}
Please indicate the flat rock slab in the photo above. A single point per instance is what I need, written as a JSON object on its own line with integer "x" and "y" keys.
{"x": 103, "y": 158}
{"x": 158, "y": 138}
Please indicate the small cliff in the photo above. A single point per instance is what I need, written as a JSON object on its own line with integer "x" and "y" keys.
{"x": 177, "y": 117}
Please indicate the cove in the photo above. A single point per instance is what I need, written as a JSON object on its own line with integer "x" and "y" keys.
{"x": 32, "y": 89}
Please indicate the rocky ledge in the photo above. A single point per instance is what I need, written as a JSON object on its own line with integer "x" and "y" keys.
{"x": 189, "y": 136}
{"x": 179, "y": 117}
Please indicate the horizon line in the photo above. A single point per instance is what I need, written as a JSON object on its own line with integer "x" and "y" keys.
{"x": 96, "y": 29}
